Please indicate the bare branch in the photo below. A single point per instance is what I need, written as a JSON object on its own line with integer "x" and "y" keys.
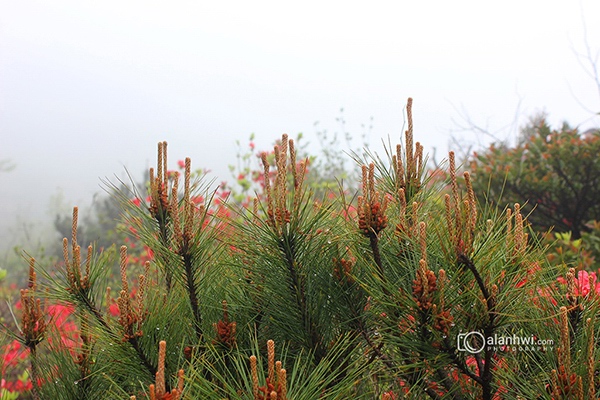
{"x": 588, "y": 63}
{"x": 466, "y": 124}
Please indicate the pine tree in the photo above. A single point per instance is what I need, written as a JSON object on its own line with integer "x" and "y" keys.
{"x": 410, "y": 289}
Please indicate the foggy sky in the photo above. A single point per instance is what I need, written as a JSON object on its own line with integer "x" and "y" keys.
{"x": 87, "y": 89}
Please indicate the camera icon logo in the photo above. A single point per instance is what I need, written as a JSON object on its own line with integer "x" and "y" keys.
{"x": 471, "y": 342}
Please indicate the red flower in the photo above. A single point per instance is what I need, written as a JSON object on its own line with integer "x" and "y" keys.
{"x": 349, "y": 213}
{"x": 149, "y": 252}
{"x": 197, "y": 199}
{"x": 60, "y": 313}
{"x": 530, "y": 272}
{"x": 13, "y": 353}
{"x": 18, "y": 386}
{"x": 390, "y": 395}
{"x": 113, "y": 309}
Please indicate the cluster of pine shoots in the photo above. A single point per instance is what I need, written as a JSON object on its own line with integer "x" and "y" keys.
{"x": 409, "y": 289}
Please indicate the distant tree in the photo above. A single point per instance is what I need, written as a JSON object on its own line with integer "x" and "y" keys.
{"x": 105, "y": 218}
{"x": 6, "y": 165}
{"x": 103, "y": 225}
{"x": 554, "y": 173}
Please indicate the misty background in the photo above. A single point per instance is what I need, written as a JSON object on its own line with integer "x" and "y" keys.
{"x": 87, "y": 89}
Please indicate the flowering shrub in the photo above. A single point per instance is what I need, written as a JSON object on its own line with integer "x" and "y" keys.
{"x": 552, "y": 171}
{"x": 408, "y": 289}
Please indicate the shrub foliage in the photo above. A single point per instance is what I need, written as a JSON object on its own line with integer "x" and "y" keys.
{"x": 555, "y": 172}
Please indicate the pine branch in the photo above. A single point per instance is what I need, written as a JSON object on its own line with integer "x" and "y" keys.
{"x": 192, "y": 293}
{"x": 488, "y": 330}
{"x": 460, "y": 364}
{"x": 298, "y": 287}
{"x": 134, "y": 342}
{"x": 164, "y": 239}
{"x": 374, "y": 243}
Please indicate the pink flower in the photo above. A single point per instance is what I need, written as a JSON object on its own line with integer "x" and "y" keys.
{"x": 583, "y": 282}
{"x": 181, "y": 164}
